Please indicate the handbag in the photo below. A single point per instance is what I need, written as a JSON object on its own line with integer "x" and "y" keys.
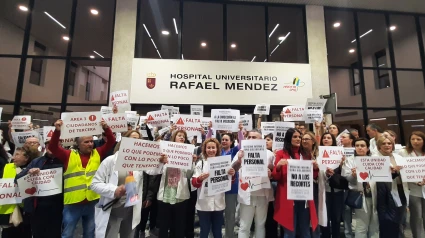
{"x": 16, "y": 217}
{"x": 354, "y": 199}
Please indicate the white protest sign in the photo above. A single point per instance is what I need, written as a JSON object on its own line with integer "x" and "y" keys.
{"x": 168, "y": 108}
{"x": 349, "y": 151}
{"x": 158, "y": 118}
{"x": 48, "y": 132}
{"x": 279, "y": 133}
{"x": 197, "y": 110}
{"x": 314, "y": 110}
{"x": 67, "y": 142}
{"x": 225, "y": 119}
{"x": 204, "y": 122}
{"x": 144, "y": 133}
{"x": 219, "y": 180}
{"x": 130, "y": 112}
{"x": 9, "y": 192}
{"x": 300, "y": 180}
{"x": 376, "y": 169}
{"x": 46, "y": 183}
{"x": 179, "y": 155}
{"x": 254, "y": 162}
{"x": 246, "y": 121}
{"x": 191, "y": 124}
{"x": 293, "y": 113}
{"x": 77, "y": 124}
{"x": 19, "y": 138}
{"x": 142, "y": 120}
{"x": 330, "y": 157}
{"x": 136, "y": 154}
{"x": 413, "y": 168}
{"x": 251, "y": 184}
{"x": 132, "y": 119}
{"x": 174, "y": 111}
{"x": 164, "y": 130}
{"x": 21, "y": 122}
{"x": 117, "y": 122}
{"x": 262, "y": 109}
{"x": 106, "y": 110}
{"x": 267, "y": 128}
{"x": 120, "y": 98}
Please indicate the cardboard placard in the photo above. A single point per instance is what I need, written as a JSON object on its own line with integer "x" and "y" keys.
{"x": 77, "y": 124}
{"x": 19, "y": 138}
{"x": 262, "y": 109}
{"x": 9, "y": 192}
{"x": 330, "y": 157}
{"x": 300, "y": 180}
{"x": 158, "y": 118}
{"x": 225, "y": 119}
{"x": 267, "y": 128}
{"x": 254, "y": 162}
{"x": 219, "y": 180}
{"x": 376, "y": 169}
{"x": 106, "y": 110}
{"x": 21, "y": 122}
{"x": 413, "y": 168}
{"x": 279, "y": 133}
{"x": 120, "y": 98}
{"x": 46, "y": 183}
{"x": 48, "y": 132}
{"x": 293, "y": 113}
{"x": 197, "y": 110}
{"x": 179, "y": 155}
{"x": 191, "y": 124}
{"x": 117, "y": 122}
{"x": 136, "y": 154}
{"x": 246, "y": 121}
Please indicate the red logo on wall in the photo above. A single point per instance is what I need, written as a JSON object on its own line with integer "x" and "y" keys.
{"x": 151, "y": 80}
{"x": 92, "y": 117}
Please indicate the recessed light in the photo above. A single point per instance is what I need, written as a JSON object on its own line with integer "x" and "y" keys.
{"x": 337, "y": 24}
{"x": 233, "y": 45}
{"x": 392, "y": 28}
{"x": 165, "y": 32}
{"x": 351, "y": 51}
{"x": 91, "y": 56}
{"x": 281, "y": 38}
{"x": 203, "y": 44}
{"x": 65, "y": 38}
{"x": 94, "y": 11}
{"x": 23, "y": 8}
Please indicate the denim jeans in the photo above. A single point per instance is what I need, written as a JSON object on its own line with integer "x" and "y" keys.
{"x": 71, "y": 216}
{"x": 208, "y": 220}
{"x": 301, "y": 221}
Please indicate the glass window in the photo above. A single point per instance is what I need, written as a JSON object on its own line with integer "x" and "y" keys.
{"x": 13, "y": 15}
{"x": 412, "y": 121}
{"x": 379, "y": 90}
{"x": 405, "y": 41}
{"x": 50, "y": 27}
{"x": 71, "y": 78}
{"x": 90, "y": 82}
{"x": 41, "y": 115}
{"x": 350, "y": 119}
{"x": 246, "y": 33}
{"x": 202, "y": 31}
{"x": 346, "y": 84}
{"x": 7, "y": 114}
{"x": 386, "y": 119}
{"x": 37, "y": 64}
{"x": 286, "y": 33}
{"x": 83, "y": 108}
{"x": 422, "y": 22}
{"x": 94, "y": 25}
{"x": 43, "y": 85}
{"x": 340, "y": 35}
{"x": 9, "y": 71}
{"x": 411, "y": 89}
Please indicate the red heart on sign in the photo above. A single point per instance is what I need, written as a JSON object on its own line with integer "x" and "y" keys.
{"x": 244, "y": 186}
{"x": 364, "y": 175}
{"x": 30, "y": 191}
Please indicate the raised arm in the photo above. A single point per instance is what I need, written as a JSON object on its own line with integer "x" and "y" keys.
{"x": 57, "y": 150}
{"x": 110, "y": 140}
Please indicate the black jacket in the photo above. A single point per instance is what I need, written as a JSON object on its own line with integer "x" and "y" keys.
{"x": 386, "y": 206}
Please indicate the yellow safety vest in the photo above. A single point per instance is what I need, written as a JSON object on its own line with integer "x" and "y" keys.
{"x": 8, "y": 172}
{"x": 77, "y": 180}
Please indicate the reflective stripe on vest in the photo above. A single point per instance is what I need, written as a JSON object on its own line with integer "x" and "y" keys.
{"x": 77, "y": 179}
{"x": 8, "y": 172}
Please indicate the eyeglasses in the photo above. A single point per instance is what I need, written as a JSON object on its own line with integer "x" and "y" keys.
{"x": 306, "y": 139}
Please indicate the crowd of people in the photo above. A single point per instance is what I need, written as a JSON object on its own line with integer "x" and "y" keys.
{"x": 94, "y": 192}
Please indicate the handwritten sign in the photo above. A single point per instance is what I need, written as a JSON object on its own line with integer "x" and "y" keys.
{"x": 314, "y": 110}
{"x": 197, "y": 110}
{"x": 375, "y": 169}
{"x": 19, "y": 138}
{"x": 158, "y": 118}
{"x": 179, "y": 155}
{"x": 246, "y": 121}
{"x": 300, "y": 180}
{"x": 117, "y": 122}
{"x": 191, "y": 124}
{"x": 136, "y": 154}
{"x": 267, "y": 128}
{"x": 293, "y": 113}
{"x": 330, "y": 157}
{"x": 219, "y": 181}
{"x": 254, "y": 162}
{"x": 225, "y": 119}
{"x": 106, "y": 110}
{"x": 21, "y": 122}
{"x": 46, "y": 183}
{"x": 9, "y": 192}
{"x": 77, "y": 124}
{"x": 279, "y": 133}
{"x": 48, "y": 132}
{"x": 413, "y": 168}
{"x": 262, "y": 109}
{"x": 120, "y": 98}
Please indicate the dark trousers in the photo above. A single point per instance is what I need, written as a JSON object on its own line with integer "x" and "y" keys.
{"x": 46, "y": 222}
{"x": 21, "y": 231}
{"x": 334, "y": 206}
{"x": 143, "y": 220}
{"x": 173, "y": 218}
{"x": 190, "y": 219}
{"x": 271, "y": 224}
{"x": 388, "y": 229}
{"x": 153, "y": 215}
{"x": 211, "y": 221}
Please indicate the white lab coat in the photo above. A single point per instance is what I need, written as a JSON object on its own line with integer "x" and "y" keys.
{"x": 105, "y": 182}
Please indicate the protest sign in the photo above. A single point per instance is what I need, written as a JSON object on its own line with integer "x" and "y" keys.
{"x": 349, "y": 151}
{"x": 293, "y": 113}
{"x": 225, "y": 119}
{"x": 179, "y": 155}
{"x": 205, "y": 121}
{"x": 413, "y": 168}
{"x": 136, "y": 154}
{"x": 262, "y": 109}
{"x": 77, "y": 124}
{"x": 164, "y": 130}
{"x": 48, "y": 132}
{"x": 131, "y": 191}
{"x": 279, "y": 133}
{"x": 376, "y": 169}
{"x": 19, "y": 138}
{"x": 132, "y": 120}
{"x": 46, "y": 183}
{"x": 300, "y": 180}
{"x": 197, "y": 110}
{"x": 117, "y": 122}
{"x": 158, "y": 118}
{"x": 267, "y": 128}
{"x": 106, "y": 110}
{"x": 21, "y": 122}
{"x": 191, "y": 124}
{"x": 219, "y": 180}
{"x": 330, "y": 157}
{"x": 9, "y": 192}
{"x": 254, "y": 162}
{"x": 143, "y": 120}
{"x": 67, "y": 142}
{"x": 251, "y": 184}
{"x": 246, "y": 121}
{"x": 314, "y": 110}
{"x": 120, "y": 98}
{"x": 168, "y": 108}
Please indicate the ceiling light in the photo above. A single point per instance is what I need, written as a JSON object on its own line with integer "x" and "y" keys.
{"x": 392, "y": 124}
{"x": 379, "y": 119}
{"x": 55, "y": 20}
{"x": 233, "y": 45}
{"x": 392, "y": 28}
{"x": 265, "y": 60}
{"x": 165, "y": 32}
{"x": 98, "y": 54}
{"x": 23, "y": 8}
{"x": 413, "y": 120}
{"x": 367, "y": 32}
{"x": 65, "y": 38}
{"x": 381, "y": 65}
{"x": 281, "y": 40}
{"x": 91, "y": 56}
{"x": 351, "y": 51}
{"x": 175, "y": 26}
{"x": 418, "y": 126}
{"x": 94, "y": 11}
{"x": 153, "y": 43}
{"x": 182, "y": 57}
{"x": 146, "y": 29}
{"x": 159, "y": 53}
{"x": 273, "y": 30}
{"x": 253, "y": 59}
{"x": 203, "y": 44}
{"x": 337, "y": 24}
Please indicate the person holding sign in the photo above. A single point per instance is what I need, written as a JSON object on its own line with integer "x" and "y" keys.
{"x": 253, "y": 201}
{"x": 415, "y": 148}
{"x": 210, "y": 208}
{"x": 289, "y": 213}
{"x": 392, "y": 197}
{"x": 80, "y": 165}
